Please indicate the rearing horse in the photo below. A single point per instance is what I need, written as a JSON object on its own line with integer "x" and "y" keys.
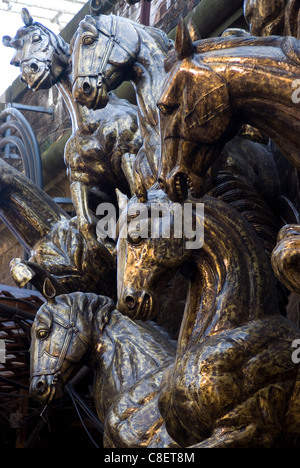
{"x": 214, "y": 86}
{"x": 233, "y": 383}
{"x": 108, "y": 50}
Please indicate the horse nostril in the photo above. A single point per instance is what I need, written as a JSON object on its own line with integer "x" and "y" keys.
{"x": 34, "y": 67}
{"x": 130, "y": 301}
{"x": 41, "y": 387}
{"x": 86, "y": 88}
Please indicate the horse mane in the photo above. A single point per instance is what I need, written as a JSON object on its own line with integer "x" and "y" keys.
{"x": 158, "y": 35}
{"x": 89, "y": 304}
{"x": 245, "y": 199}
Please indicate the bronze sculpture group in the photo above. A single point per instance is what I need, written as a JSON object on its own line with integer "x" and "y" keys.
{"x": 189, "y": 347}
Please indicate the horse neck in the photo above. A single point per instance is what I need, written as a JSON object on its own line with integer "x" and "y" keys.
{"x": 233, "y": 282}
{"x": 123, "y": 353}
{"x": 260, "y": 83}
{"x": 148, "y": 74}
{"x": 146, "y": 78}
{"x": 76, "y": 111}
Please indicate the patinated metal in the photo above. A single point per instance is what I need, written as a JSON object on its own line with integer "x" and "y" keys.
{"x": 226, "y": 311}
{"x": 77, "y": 328}
{"x": 103, "y": 144}
{"x": 125, "y": 50}
{"x": 225, "y": 82}
{"x": 196, "y": 351}
{"x": 51, "y": 238}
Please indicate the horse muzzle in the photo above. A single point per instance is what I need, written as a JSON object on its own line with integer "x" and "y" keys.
{"x": 87, "y": 93}
{"x": 44, "y": 388}
{"x": 138, "y": 305}
{"x": 36, "y": 74}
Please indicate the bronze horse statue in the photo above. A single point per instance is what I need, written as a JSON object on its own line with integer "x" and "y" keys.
{"x": 212, "y": 88}
{"x": 233, "y": 383}
{"x": 128, "y": 360}
{"x": 226, "y": 82}
{"x": 125, "y": 51}
{"x": 99, "y": 153}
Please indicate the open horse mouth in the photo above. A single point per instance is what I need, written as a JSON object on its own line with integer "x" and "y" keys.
{"x": 139, "y": 306}
{"x": 35, "y": 79}
{"x": 182, "y": 185}
{"x": 145, "y": 308}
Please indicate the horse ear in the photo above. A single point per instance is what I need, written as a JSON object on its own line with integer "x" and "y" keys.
{"x": 6, "y": 41}
{"x": 183, "y": 41}
{"x": 95, "y": 7}
{"x": 26, "y": 17}
{"x": 122, "y": 200}
{"x": 194, "y": 33}
{"x": 49, "y": 290}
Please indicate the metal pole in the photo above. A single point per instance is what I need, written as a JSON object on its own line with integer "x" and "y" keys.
{"x": 145, "y": 12}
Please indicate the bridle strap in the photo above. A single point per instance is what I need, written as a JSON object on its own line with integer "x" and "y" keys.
{"x": 107, "y": 52}
{"x": 71, "y": 329}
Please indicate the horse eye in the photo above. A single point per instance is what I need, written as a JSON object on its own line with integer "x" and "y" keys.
{"x": 167, "y": 109}
{"x": 88, "y": 40}
{"x": 42, "y": 334}
{"x": 135, "y": 240}
{"x": 36, "y": 38}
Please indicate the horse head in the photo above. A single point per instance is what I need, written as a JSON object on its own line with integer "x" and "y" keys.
{"x": 103, "y": 48}
{"x": 60, "y": 339}
{"x": 149, "y": 253}
{"x": 41, "y": 55}
{"x": 192, "y": 126}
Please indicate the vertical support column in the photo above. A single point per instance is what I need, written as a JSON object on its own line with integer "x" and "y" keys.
{"x": 145, "y": 12}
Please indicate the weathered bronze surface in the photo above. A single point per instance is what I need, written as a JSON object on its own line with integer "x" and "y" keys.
{"x": 128, "y": 358}
{"x": 207, "y": 395}
{"x": 197, "y": 351}
{"x": 225, "y": 82}
{"x": 103, "y": 144}
{"x": 125, "y": 50}
{"x": 273, "y": 17}
{"x": 51, "y": 239}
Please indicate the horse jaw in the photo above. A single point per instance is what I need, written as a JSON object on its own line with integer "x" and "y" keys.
{"x": 190, "y": 172}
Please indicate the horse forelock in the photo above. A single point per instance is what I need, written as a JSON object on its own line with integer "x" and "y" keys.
{"x": 87, "y": 304}
{"x": 45, "y": 315}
